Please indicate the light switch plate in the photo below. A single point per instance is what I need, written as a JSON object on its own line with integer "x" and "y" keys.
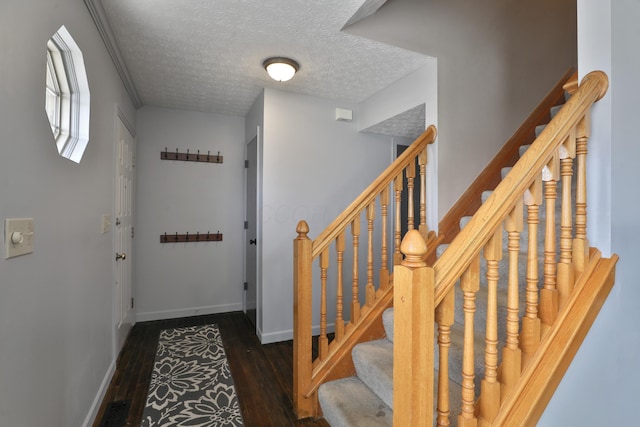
{"x": 106, "y": 223}
{"x": 18, "y": 237}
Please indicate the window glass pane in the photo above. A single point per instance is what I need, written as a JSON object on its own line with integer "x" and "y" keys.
{"x": 52, "y": 100}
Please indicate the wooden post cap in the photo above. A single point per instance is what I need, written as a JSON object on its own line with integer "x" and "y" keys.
{"x": 302, "y": 229}
{"x": 414, "y": 248}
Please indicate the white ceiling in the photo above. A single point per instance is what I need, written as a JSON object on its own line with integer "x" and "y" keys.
{"x": 206, "y": 55}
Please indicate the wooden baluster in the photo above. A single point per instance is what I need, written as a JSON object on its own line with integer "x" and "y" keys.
{"x": 397, "y": 187}
{"x": 581, "y": 243}
{"x": 411, "y": 175}
{"x": 530, "y": 336}
{"x": 302, "y": 322}
{"x": 323, "y": 341}
{"x": 355, "y": 302}
{"x": 511, "y": 354}
{"x": 339, "y": 259}
{"x": 470, "y": 285}
{"x": 413, "y": 295}
{"x": 370, "y": 291}
{"x": 422, "y": 161}
{"x": 384, "y": 257}
{"x": 566, "y": 276}
{"x": 490, "y": 387}
{"x": 444, "y": 318}
{"x": 549, "y": 292}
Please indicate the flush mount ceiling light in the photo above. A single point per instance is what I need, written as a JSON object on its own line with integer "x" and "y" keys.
{"x": 281, "y": 69}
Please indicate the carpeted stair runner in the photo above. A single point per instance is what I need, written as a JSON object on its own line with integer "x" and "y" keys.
{"x": 367, "y": 398}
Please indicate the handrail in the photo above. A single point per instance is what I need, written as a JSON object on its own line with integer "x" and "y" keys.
{"x": 371, "y": 192}
{"x": 468, "y": 243}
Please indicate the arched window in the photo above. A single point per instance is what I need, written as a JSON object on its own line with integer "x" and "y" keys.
{"x": 67, "y": 100}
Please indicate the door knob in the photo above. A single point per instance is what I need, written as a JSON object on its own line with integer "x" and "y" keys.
{"x": 253, "y": 241}
{"x": 121, "y": 256}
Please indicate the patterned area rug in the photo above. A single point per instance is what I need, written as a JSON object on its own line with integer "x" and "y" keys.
{"x": 191, "y": 383}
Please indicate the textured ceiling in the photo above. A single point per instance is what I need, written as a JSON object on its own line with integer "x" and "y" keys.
{"x": 409, "y": 124}
{"x": 206, "y": 55}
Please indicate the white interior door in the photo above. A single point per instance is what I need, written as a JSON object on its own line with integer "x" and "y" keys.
{"x": 124, "y": 232}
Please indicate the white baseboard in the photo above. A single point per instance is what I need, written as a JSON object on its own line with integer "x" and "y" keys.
{"x": 275, "y": 336}
{"x": 97, "y": 401}
{"x": 186, "y": 312}
{"x": 288, "y": 334}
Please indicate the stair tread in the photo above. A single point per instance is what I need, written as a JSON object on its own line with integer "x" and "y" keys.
{"x": 349, "y": 402}
{"x": 504, "y": 171}
{"x": 373, "y": 361}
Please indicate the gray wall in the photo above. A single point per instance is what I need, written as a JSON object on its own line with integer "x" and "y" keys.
{"x": 602, "y": 384}
{"x": 313, "y": 167}
{"x": 496, "y": 61}
{"x": 56, "y": 305}
{"x": 185, "y": 279}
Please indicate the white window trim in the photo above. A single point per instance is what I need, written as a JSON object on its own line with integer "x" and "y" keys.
{"x": 74, "y": 98}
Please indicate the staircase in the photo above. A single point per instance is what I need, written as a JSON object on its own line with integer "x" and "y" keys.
{"x": 475, "y": 339}
{"x": 373, "y": 360}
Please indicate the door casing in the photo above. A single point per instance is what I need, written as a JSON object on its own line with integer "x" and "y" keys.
{"x": 123, "y": 230}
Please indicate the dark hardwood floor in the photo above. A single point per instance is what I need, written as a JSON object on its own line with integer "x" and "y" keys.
{"x": 262, "y": 374}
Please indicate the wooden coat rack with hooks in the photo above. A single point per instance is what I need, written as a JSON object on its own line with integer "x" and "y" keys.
{"x": 191, "y": 157}
{"x": 190, "y": 237}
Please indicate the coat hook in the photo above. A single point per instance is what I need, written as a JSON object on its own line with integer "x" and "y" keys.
{"x": 218, "y": 158}
{"x": 197, "y": 236}
{"x": 187, "y": 238}
{"x": 198, "y": 156}
{"x": 176, "y": 154}
{"x": 207, "y": 236}
{"x": 208, "y": 153}
{"x": 176, "y": 237}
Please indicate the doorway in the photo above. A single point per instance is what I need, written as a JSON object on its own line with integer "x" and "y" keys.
{"x": 404, "y": 200}
{"x": 251, "y": 235}
{"x": 123, "y": 231}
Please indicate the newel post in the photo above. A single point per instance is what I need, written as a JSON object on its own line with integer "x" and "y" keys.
{"x": 302, "y": 310}
{"x": 413, "y": 335}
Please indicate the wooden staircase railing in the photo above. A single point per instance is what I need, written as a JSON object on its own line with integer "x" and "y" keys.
{"x": 335, "y": 256}
{"x": 557, "y": 314}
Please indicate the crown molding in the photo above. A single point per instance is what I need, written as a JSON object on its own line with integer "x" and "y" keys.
{"x": 100, "y": 19}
